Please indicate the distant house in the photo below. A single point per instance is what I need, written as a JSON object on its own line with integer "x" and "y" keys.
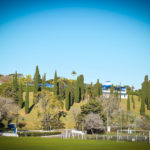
{"x": 121, "y": 90}
{"x": 47, "y": 85}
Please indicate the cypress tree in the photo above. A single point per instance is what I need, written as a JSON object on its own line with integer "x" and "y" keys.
{"x": 56, "y": 84}
{"x": 36, "y": 83}
{"x": 97, "y": 88}
{"x": 44, "y": 81}
{"x": 20, "y": 95}
{"x": 15, "y": 87}
{"x": 148, "y": 107}
{"x": 145, "y": 89}
{"x": 112, "y": 90}
{"x": 68, "y": 98}
{"x": 77, "y": 100}
{"x": 128, "y": 103}
{"x": 133, "y": 103}
{"x": 101, "y": 89}
{"x": 27, "y": 100}
{"x": 15, "y": 82}
{"x": 81, "y": 87}
{"x": 142, "y": 109}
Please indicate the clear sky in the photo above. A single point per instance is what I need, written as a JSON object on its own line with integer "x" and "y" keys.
{"x": 103, "y": 39}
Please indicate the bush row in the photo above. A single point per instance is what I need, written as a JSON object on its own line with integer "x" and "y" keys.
{"x": 37, "y": 133}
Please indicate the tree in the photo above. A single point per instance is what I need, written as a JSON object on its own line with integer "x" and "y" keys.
{"x": 133, "y": 103}
{"x": 36, "y": 83}
{"x": 68, "y": 102}
{"x": 8, "y": 109}
{"x": 112, "y": 90}
{"x": 44, "y": 81}
{"x": 49, "y": 108}
{"x": 128, "y": 103}
{"x": 145, "y": 90}
{"x": 20, "y": 95}
{"x": 27, "y": 100}
{"x": 93, "y": 121}
{"x": 77, "y": 100}
{"x": 28, "y": 79}
{"x": 148, "y": 107}
{"x": 93, "y": 106}
{"x": 61, "y": 90}
{"x": 97, "y": 88}
{"x": 81, "y": 85}
{"x": 15, "y": 87}
{"x": 15, "y": 83}
{"x": 56, "y": 85}
{"x": 142, "y": 109}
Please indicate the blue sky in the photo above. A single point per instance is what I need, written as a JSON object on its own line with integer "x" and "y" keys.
{"x": 105, "y": 39}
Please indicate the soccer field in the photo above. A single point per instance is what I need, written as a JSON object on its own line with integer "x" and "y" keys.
{"x": 34, "y": 143}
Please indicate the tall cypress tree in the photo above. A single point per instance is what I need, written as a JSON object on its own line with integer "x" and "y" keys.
{"x": 36, "y": 83}
{"x": 81, "y": 87}
{"x": 128, "y": 103}
{"x": 20, "y": 95}
{"x": 27, "y": 99}
{"x": 148, "y": 107}
{"x": 15, "y": 87}
{"x": 145, "y": 89}
{"x": 56, "y": 85}
{"x": 142, "y": 109}
{"x": 133, "y": 103}
{"x": 112, "y": 90}
{"x": 77, "y": 100}
{"x": 44, "y": 81}
{"x": 68, "y": 97}
{"x": 97, "y": 88}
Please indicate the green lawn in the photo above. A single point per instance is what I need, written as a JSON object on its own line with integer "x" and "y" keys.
{"x": 34, "y": 143}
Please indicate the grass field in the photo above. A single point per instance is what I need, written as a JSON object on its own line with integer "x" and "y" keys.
{"x": 30, "y": 143}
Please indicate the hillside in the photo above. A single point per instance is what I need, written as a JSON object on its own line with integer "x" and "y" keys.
{"x": 33, "y": 122}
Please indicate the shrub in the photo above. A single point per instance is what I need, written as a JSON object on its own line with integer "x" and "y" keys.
{"x": 37, "y": 133}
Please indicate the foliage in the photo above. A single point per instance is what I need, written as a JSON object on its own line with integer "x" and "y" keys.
{"x": 93, "y": 121}
{"x": 56, "y": 84}
{"x": 36, "y": 83}
{"x": 49, "y": 107}
{"x": 8, "y": 109}
{"x": 44, "y": 82}
{"x": 15, "y": 87}
{"x": 38, "y": 133}
{"x": 128, "y": 103}
{"x": 20, "y": 95}
{"x": 27, "y": 100}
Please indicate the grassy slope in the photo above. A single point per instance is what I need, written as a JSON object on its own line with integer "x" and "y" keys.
{"x": 31, "y": 143}
{"x": 34, "y": 122}
{"x": 137, "y": 106}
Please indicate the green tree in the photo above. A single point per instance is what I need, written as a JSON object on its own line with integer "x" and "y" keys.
{"x": 27, "y": 100}
{"x": 142, "y": 109}
{"x": 15, "y": 87}
{"x": 77, "y": 88}
{"x": 148, "y": 107}
{"x": 20, "y": 95}
{"x": 44, "y": 81}
{"x": 128, "y": 103}
{"x": 112, "y": 90}
{"x": 97, "y": 88}
{"x": 81, "y": 85}
{"x": 68, "y": 97}
{"x": 56, "y": 85}
{"x": 36, "y": 83}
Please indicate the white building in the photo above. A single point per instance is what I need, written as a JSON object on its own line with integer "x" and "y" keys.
{"x": 107, "y": 86}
